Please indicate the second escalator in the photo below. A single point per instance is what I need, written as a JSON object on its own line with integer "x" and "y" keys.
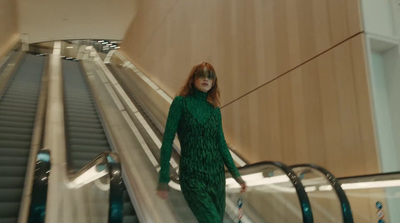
{"x": 84, "y": 131}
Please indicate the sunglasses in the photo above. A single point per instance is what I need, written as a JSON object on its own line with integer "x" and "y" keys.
{"x": 209, "y": 74}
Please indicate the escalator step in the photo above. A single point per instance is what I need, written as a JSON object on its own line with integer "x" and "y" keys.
{"x": 5, "y": 111}
{"x": 15, "y": 144}
{"x": 85, "y": 107}
{"x": 14, "y": 151}
{"x": 82, "y": 92}
{"x": 81, "y": 109}
{"x": 78, "y": 112}
{"x": 87, "y": 136}
{"x": 79, "y": 130}
{"x": 78, "y": 164}
{"x": 30, "y": 107}
{"x": 11, "y": 96}
{"x": 16, "y": 118}
{"x": 13, "y": 161}
{"x": 8, "y": 220}
{"x": 80, "y": 115}
{"x": 128, "y": 209}
{"x": 126, "y": 197}
{"x": 9, "y": 209}
{"x": 11, "y": 182}
{"x": 10, "y": 195}
{"x": 90, "y": 149}
{"x": 130, "y": 219}
{"x": 14, "y": 171}
{"x": 88, "y": 142}
{"x": 22, "y": 93}
{"x": 78, "y": 100}
{"x": 83, "y": 155}
{"x": 17, "y": 108}
{"x": 11, "y": 136}
{"x": 19, "y": 100}
{"x": 93, "y": 120}
{"x": 16, "y": 124}
{"x": 84, "y": 125}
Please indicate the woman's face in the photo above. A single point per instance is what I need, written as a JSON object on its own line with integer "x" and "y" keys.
{"x": 204, "y": 81}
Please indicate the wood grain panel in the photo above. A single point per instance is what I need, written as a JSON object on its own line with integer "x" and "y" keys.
{"x": 249, "y": 42}
{"x": 318, "y": 113}
{"x": 292, "y": 95}
{"x": 9, "y": 34}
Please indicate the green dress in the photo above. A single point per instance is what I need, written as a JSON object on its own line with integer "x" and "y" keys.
{"x": 203, "y": 155}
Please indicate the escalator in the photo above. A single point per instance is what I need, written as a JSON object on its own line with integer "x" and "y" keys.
{"x": 84, "y": 131}
{"x": 281, "y": 192}
{"x": 276, "y": 199}
{"x": 18, "y": 107}
{"x": 301, "y": 210}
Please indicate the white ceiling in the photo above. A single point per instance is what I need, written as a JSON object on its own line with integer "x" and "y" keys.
{"x": 48, "y": 20}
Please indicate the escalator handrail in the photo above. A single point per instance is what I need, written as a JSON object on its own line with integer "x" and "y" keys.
{"x": 300, "y": 190}
{"x": 294, "y": 179}
{"x": 345, "y": 205}
{"x": 37, "y": 212}
{"x": 111, "y": 160}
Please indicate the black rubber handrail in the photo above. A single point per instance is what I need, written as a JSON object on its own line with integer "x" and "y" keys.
{"x": 296, "y": 182}
{"x": 111, "y": 161}
{"x": 37, "y": 212}
{"x": 294, "y": 179}
{"x": 344, "y": 202}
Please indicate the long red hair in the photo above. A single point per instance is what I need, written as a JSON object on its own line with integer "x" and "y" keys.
{"x": 188, "y": 88}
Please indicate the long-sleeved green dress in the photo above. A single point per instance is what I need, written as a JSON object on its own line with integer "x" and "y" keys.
{"x": 203, "y": 154}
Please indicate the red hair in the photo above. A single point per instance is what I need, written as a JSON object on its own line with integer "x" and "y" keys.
{"x": 188, "y": 88}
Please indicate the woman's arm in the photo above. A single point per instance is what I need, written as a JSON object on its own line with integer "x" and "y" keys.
{"x": 174, "y": 115}
{"x": 226, "y": 155}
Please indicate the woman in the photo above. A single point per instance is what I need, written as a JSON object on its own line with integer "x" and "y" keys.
{"x": 196, "y": 117}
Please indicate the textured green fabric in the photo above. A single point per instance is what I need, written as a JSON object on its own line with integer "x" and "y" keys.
{"x": 203, "y": 155}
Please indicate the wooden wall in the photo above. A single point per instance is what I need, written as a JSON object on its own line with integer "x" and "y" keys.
{"x": 9, "y": 34}
{"x": 292, "y": 74}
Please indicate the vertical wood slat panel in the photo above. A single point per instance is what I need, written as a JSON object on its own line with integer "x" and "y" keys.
{"x": 9, "y": 34}
{"x": 315, "y": 111}
{"x": 258, "y": 40}
{"x": 318, "y": 113}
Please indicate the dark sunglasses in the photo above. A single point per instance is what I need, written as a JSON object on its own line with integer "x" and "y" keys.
{"x": 209, "y": 74}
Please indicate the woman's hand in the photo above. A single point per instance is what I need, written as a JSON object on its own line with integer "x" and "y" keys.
{"x": 243, "y": 186}
{"x": 163, "y": 194}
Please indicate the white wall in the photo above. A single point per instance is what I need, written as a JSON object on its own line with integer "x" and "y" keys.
{"x": 391, "y": 62}
{"x": 383, "y": 114}
{"x": 382, "y": 26}
{"x": 383, "y": 43}
{"x": 379, "y": 17}
{"x": 46, "y": 20}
